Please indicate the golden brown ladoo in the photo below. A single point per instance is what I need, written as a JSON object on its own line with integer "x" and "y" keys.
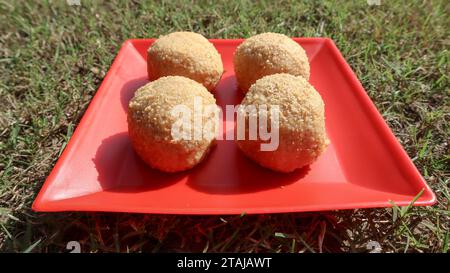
{"x": 268, "y": 53}
{"x": 302, "y": 135}
{"x": 150, "y": 122}
{"x": 185, "y": 54}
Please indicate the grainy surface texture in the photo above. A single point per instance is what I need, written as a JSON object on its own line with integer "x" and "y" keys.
{"x": 53, "y": 57}
{"x": 151, "y": 121}
{"x": 185, "y": 54}
{"x": 266, "y": 54}
{"x": 301, "y": 122}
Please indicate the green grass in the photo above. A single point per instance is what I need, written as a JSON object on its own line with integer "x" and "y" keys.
{"x": 54, "y": 56}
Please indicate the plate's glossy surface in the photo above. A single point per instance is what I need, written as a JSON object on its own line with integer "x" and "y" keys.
{"x": 363, "y": 167}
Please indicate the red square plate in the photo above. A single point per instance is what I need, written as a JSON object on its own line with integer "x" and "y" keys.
{"x": 363, "y": 167}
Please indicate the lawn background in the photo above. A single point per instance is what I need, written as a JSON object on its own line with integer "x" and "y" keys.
{"x": 53, "y": 57}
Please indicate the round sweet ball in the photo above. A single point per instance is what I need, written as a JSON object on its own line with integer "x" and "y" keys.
{"x": 185, "y": 54}
{"x": 153, "y": 115}
{"x": 301, "y": 123}
{"x": 268, "y": 53}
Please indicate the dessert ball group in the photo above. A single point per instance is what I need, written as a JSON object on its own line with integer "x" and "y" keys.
{"x": 270, "y": 68}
